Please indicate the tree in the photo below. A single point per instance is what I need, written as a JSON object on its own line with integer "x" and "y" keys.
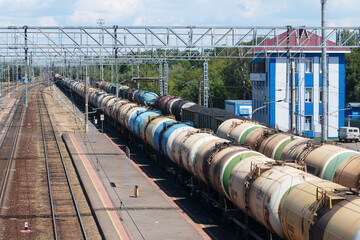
{"x": 237, "y": 79}
{"x": 352, "y": 76}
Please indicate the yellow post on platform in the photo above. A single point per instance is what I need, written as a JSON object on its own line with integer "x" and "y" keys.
{"x": 136, "y": 191}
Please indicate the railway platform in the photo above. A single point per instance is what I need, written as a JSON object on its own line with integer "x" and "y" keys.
{"x": 109, "y": 180}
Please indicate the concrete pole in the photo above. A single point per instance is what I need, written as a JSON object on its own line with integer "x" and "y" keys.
{"x": 324, "y": 73}
{"x": 287, "y": 63}
{"x": 77, "y": 73}
{"x": 112, "y": 73}
{"x": 94, "y": 77}
{"x": 26, "y": 67}
{"x": 116, "y": 78}
{"x": 8, "y": 70}
{"x": 13, "y": 72}
{"x": 86, "y": 100}
{"x": 101, "y": 72}
{"x": 199, "y": 92}
{"x": 138, "y": 75}
{"x": 48, "y": 77}
{"x": 2, "y": 77}
{"x": 17, "y": 77}
{"x": 116, "y": 67}
{"x": 80, "y": 72}
{"x": 293, "y": 114}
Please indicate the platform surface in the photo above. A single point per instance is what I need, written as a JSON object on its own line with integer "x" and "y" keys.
{"x": 109, "y": 180}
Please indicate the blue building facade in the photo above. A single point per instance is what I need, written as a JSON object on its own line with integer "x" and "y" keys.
{"x": 239, "y": 107}
{"x": 272, "y": 89}
{"x": 352, "y": 110}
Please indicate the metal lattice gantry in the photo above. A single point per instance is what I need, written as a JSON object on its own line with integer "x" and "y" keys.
{"x": 177, "y": 42}
{"x": 206, "y": 83}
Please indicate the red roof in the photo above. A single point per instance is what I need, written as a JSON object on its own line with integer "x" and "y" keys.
{"x": 298, "y": 40}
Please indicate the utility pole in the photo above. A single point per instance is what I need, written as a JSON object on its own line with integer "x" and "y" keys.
{"x": 101, "y": 71}
{"x": 287, "y": 61}
{"x": 324, "y": 72}
{"x": 101, "y": 22}
{"x": 86, "y": 100}
{"x": 112, "y": 73}
{"x": 199, "y": 92}
{"x": 17, "y": 76}
{"x": 48, "y": 77}
{"x": 293, "y": 114}
{"x": 138, "y": 75}
{"x": 2, "y": 77}
{"x": 94, "y": 76}
{"x": 116, "y": 67}
{"x": 80, "y": 72}
{"x": 8, "y": 70}
{"x": 26, "y": 67}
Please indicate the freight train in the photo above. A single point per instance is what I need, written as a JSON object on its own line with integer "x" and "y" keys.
{"x": 292, "y": 203}
{"x": 330, "y": 162}
{"x": 327, "y": 161}
{"x": 182, "y": 110}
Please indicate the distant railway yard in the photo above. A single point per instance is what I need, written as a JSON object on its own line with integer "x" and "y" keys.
{"x": 163, "y": 167}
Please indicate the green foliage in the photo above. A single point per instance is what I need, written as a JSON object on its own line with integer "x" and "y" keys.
{"x": 352, "y": 76}
{"x": 228, "y": 78}
{"x": 237, "y": 79}
{"x": 183, "y": 79}
{"x": 346, "y": 37}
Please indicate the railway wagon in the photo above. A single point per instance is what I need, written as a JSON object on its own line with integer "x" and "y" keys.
{"x": 203, "y": 117}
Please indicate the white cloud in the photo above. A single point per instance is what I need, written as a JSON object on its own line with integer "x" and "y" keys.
{"x": 260, "y": 9}
{"x": 87, "y": 11}
{"x": 139, "y": 21}
{"x": 344, "y": 5}
{"x": 24, "y": 5}
{"x": 184, "y": 12}
{"x": 46, "y": 21}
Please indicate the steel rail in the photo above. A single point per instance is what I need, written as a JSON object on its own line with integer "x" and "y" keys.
{"x": 47, "y": 173}
{"x": 65, "y": 170}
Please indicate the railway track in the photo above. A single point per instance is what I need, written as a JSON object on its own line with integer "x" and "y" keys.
{"x": 66, "y": 218}
{"x": 36, "y": 200}
{"x": 8, "y": 144}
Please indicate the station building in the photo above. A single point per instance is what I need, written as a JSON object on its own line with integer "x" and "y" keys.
{"x": 271, "y": 90}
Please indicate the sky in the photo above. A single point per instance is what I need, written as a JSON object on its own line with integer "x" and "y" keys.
{"x": 181, "y": 13}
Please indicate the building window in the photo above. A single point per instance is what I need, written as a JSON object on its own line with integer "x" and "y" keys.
{"x": 308, "y": 95}
{"x": 308, "y": 65}
{"x": 320, "y": 94}
{"x": 296, "y": 94}
{"x": 258, "y": 66}
{"x": 308, "y": 123}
